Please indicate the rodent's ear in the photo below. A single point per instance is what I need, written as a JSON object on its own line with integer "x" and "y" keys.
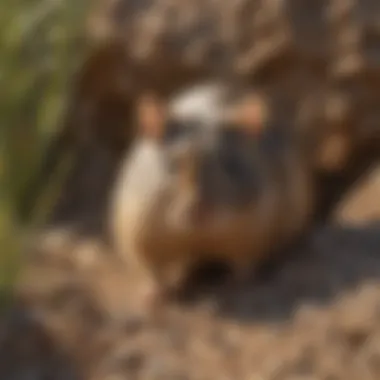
{"x": 249, "y": 113}
{"x": 151, "y": 113}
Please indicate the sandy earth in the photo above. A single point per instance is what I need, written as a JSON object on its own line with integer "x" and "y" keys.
{"x": 316, "y": 317}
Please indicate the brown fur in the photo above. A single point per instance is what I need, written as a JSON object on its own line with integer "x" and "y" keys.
{"x": 239, "y": 235}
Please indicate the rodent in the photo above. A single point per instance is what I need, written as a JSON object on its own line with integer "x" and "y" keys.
{"x": 202, "y": 180}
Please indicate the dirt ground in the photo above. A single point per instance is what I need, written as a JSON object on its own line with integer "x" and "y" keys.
{"x": 316, "y": 317}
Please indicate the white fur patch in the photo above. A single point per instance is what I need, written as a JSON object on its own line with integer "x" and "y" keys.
{"x": 201, "y": 102}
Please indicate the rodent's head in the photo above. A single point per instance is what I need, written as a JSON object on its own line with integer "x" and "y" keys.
{"x": 205, "y": 136}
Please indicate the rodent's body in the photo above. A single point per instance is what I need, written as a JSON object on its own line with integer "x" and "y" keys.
{"x": 245, "y": 216}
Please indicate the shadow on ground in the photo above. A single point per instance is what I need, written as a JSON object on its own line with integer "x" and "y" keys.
{"x": 334, "y": 261}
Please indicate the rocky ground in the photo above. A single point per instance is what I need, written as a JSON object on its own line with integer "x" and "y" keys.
{"x": 315, "y": 317}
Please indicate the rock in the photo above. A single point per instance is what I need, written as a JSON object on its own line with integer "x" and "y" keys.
{"x": 361, "y": 205}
